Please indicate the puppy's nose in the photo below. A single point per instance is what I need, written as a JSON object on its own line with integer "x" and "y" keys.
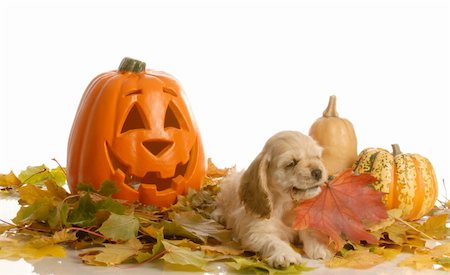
{"x": 317, "y": 174}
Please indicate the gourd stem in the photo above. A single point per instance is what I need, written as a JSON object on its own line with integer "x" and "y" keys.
{"x": 330, "y": 111}
{"x": 396, "y": 149}
{"x": 131, "y": 65}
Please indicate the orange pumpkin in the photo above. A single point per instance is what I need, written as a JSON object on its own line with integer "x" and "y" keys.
{"x": 133, "y": 127}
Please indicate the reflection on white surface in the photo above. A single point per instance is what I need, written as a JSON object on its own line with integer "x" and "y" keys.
{"x": 9, "y": 207}
{"x": 71, "y": 264}
{"x": 16, "y": 267}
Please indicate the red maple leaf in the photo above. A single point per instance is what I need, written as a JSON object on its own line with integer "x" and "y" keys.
{"x": 345, "y": 204}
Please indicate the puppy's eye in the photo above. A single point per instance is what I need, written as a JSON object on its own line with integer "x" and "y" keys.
{"x": 292, "y": 164}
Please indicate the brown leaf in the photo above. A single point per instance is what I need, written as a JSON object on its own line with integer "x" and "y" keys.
{"x": 342, "y": 207}
{"x": 214, "y": 172}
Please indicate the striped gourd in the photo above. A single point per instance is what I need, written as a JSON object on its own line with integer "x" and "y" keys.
{"x": 408, "y": 180}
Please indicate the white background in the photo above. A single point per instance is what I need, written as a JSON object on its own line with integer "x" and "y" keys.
{"x": 249, "y": 70}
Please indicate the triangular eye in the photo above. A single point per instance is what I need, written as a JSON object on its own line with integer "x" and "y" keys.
{"x": 134, "y": 120}
{"x": 173, "y": 117}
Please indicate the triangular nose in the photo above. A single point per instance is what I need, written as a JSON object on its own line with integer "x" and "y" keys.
{"x": 157, "y": 147}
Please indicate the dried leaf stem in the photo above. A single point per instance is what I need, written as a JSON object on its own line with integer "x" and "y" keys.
{"x": 415, "y": 229}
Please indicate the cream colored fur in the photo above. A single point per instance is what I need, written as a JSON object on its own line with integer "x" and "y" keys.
{"x": 257, "y": 203}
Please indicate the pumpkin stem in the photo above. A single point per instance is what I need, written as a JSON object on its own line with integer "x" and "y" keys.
{"x": 131, "y": 65}
{"x": 396, "y": 149}
{"x": 330, "y": 111}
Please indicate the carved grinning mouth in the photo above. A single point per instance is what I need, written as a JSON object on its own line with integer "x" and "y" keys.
{"x": 151, "y": 177}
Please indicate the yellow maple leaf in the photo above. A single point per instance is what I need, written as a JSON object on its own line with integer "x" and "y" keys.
{"x": 220, "y": 250}
{"x": 397, "y": 233}
{"x": 418, "y": 262}
{"x": 151, "y": 231}
{"x": 111, "y": 254}
{"x": 185, "y": 243}
{"x": 15, "y": 249}
{"x": 425, "y": 258}
{"x": 393, "y": 215}
{"x": 403, "y": 234}
{"x": 30, "y": 193}
{"x": 358, "y": 259}
{"x": 442, "y": 250}
{"x": 9, "y": 180}
{"x": 387, "y": 253}
{"x": 58, "y": 237}
{"x": 435, "y": 226}
{"x": 55, "y": 190}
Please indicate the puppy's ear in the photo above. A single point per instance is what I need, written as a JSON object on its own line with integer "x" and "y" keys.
{"x": 253, "y": 190}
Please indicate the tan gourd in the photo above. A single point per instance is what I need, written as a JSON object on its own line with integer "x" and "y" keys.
{"x": 337, "y": 137}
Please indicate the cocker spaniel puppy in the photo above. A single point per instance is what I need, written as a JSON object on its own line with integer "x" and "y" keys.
{"x": 257, "y": 204}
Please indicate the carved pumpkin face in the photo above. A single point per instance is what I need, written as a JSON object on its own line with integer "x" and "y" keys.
{"x": 133, "y": 127}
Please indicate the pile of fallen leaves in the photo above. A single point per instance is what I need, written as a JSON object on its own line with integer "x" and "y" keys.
{"x": 110, "y": 232}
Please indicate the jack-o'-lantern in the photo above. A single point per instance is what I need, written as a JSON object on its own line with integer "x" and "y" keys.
{"x": 133, "y": 127}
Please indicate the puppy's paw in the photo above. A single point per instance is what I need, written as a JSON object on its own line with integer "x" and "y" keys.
{"x": 284, "y": 258}
{"x": 316, "y": 250}
{"x": 315, "y": 245}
